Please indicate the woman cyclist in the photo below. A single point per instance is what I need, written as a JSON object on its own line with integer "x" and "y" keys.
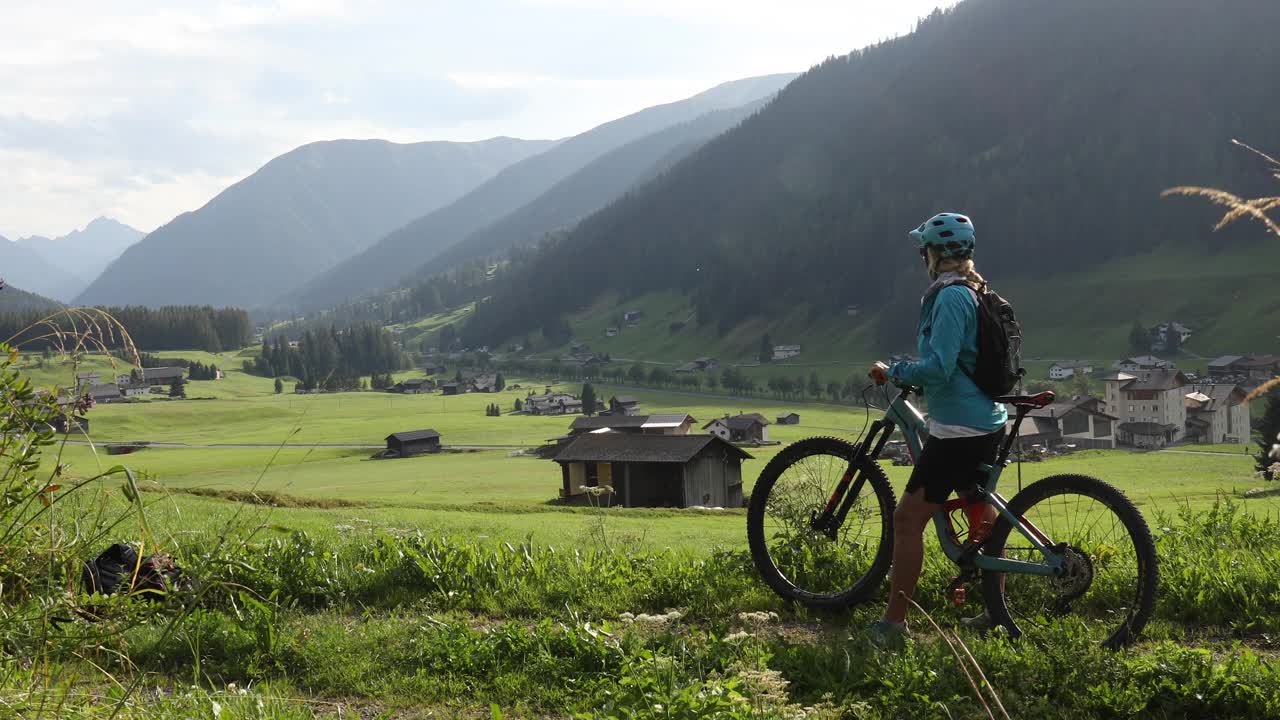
{"x": 965, "y": 426}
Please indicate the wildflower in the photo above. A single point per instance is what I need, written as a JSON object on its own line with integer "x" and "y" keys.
{"x": 738, "y": 636}
{"x": 758, "y": 618}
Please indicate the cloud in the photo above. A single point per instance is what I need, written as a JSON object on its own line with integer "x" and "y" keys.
{"x": 143, "y": 110}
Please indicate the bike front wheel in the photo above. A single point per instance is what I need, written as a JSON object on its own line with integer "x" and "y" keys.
{"x": 832, "y": 569}
{"x": 1108, "y": 585}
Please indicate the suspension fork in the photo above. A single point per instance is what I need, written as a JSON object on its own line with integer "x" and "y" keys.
{"x": 847, "y": 490}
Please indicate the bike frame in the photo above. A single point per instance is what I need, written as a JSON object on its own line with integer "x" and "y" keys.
{"x": 902, "y": 415}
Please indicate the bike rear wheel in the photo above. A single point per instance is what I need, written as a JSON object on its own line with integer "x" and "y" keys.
{"x": 1109, "y": 586}
{"x": 808, "y": 566}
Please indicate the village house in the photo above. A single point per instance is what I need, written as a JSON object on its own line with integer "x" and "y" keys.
{"x": 552, "y": 403}
{"x": 1224, "y": 366}
{"x": 789, "y": 419}
{"x": 1217, "y": 413}
{"x": 1080, "y": 421}
{"x": 161, "y": 375}
{"x": 125, "y": 379}
{"x": 665, "y": 424}
{"x": 416, "y": 386}
{"x": 632, "y": 316}
{"x": 1258, "y": 369}
{"x": 624, "y": 405}
{"x": 740, "y": 428}
{"x": 1065, "y": 370}
{"x": 1160, "y": 336}
{"x": 134, "y": 390}
{"x": 699, "y": 365}
{"x": 1143, "y": 363}
{"x": 782, "y": 352}
{"x": 103, "y": 393}
{"x": 1150, "y": 406}
{"x": 484, "y": 384}
{"x": 611, "y": 332}
{"x": 86, "y": 379}
{"x": 450, "y": 388}
{"x": 652, "y": 470}
{"x": 415, "y": 442}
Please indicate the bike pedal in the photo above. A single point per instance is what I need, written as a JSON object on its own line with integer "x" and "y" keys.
{"x": 958, "y": 596}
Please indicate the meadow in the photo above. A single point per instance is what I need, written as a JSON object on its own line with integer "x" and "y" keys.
{"x": 330, "y": 584}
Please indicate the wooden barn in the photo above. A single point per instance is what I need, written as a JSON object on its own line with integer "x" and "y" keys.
{"x": 652, "y": 470}
{"x": 416, "y": 442}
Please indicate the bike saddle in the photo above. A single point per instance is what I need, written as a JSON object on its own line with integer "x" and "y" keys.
{"x": 1038, "y": 400}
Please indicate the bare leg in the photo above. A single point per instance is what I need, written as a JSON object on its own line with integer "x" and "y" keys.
{"x": 909, "y": 522}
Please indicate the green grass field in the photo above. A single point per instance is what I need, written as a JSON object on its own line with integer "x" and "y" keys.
{"x": 492, "y": 493}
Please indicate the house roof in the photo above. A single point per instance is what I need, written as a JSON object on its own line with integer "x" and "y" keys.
{"x": 416, "y": 381}
{"x": 609, "y": 421}
{"x": 1225, "y": 361}
{"x": 413, "y": 435}
{"x": 1159, "y": 380}
{"x": 105, "y": 390}
{"x": 161, "y": 373}
{"x": 668, "y": 420}
{"x": 788, "y": 414}
{"x": 625, "y": 399}
{"x": 1083, "y": 403}
{"x": 740, "y": 422}
{"x": 1118, "y": 375}
{"x": 1259, "y": 361}
{"x": 624, "y": 447}
{"x": 1071, "y": 365}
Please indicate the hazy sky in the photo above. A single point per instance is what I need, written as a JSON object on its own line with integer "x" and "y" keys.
{"x": 143, "y": 109}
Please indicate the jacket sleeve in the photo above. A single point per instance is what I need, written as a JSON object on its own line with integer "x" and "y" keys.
{"x": 950, "y": 322}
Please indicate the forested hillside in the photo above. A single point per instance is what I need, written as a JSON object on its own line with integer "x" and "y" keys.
{"x": 297, "y": 216}
{"x": 408, "y": 247}
{"x": 1056, "y": 125}
{"x": 184, "y": 327}
{"x": 13, "y": 300}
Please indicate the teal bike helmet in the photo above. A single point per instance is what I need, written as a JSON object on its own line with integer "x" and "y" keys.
{"x": 951, "y": 233}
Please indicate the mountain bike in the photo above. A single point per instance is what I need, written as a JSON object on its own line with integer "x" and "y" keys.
{"x": 820, "y": 527}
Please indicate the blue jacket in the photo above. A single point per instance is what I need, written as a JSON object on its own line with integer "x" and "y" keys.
{"x": 947, "y": 337}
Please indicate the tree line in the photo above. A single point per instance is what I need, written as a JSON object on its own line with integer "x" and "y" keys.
{"x": 177, "y": 327}
{"x": 330, "y": 359}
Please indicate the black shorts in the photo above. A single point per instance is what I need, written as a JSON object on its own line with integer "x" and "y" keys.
{"x": 951, "y": 465}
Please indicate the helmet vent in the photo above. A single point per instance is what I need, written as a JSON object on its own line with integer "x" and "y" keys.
{"x": 946, "y": 233}
{"x": 936, "y": 223}
{"x": 962, "y": 219}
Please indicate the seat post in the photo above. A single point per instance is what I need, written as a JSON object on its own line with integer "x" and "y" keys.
{"x": 1020, "y": 413}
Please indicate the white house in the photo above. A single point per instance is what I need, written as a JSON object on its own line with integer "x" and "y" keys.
{"x": 782, "y": 352}
{"x": 1151, "y": 406}
{"x": 1064, "y": 370}
{"x": 1217, "y": 413}
{"x": 134, "y": 390}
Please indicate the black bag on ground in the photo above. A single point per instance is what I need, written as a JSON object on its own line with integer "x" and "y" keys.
{"x": 999, "y": 367}
{"x": 118, "y": 569}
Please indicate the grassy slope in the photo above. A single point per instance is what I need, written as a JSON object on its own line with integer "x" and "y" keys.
{"x": 1228, "y": 297}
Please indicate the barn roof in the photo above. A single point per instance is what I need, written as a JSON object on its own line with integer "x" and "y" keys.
{"x": 413, "y": 435}
{"x": 161, "y": 373}
{"x": 623, "y": 447}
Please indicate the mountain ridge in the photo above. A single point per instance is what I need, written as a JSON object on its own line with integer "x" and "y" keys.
{"x": 383, "y": 263}
{"x": 295, "y": 216}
